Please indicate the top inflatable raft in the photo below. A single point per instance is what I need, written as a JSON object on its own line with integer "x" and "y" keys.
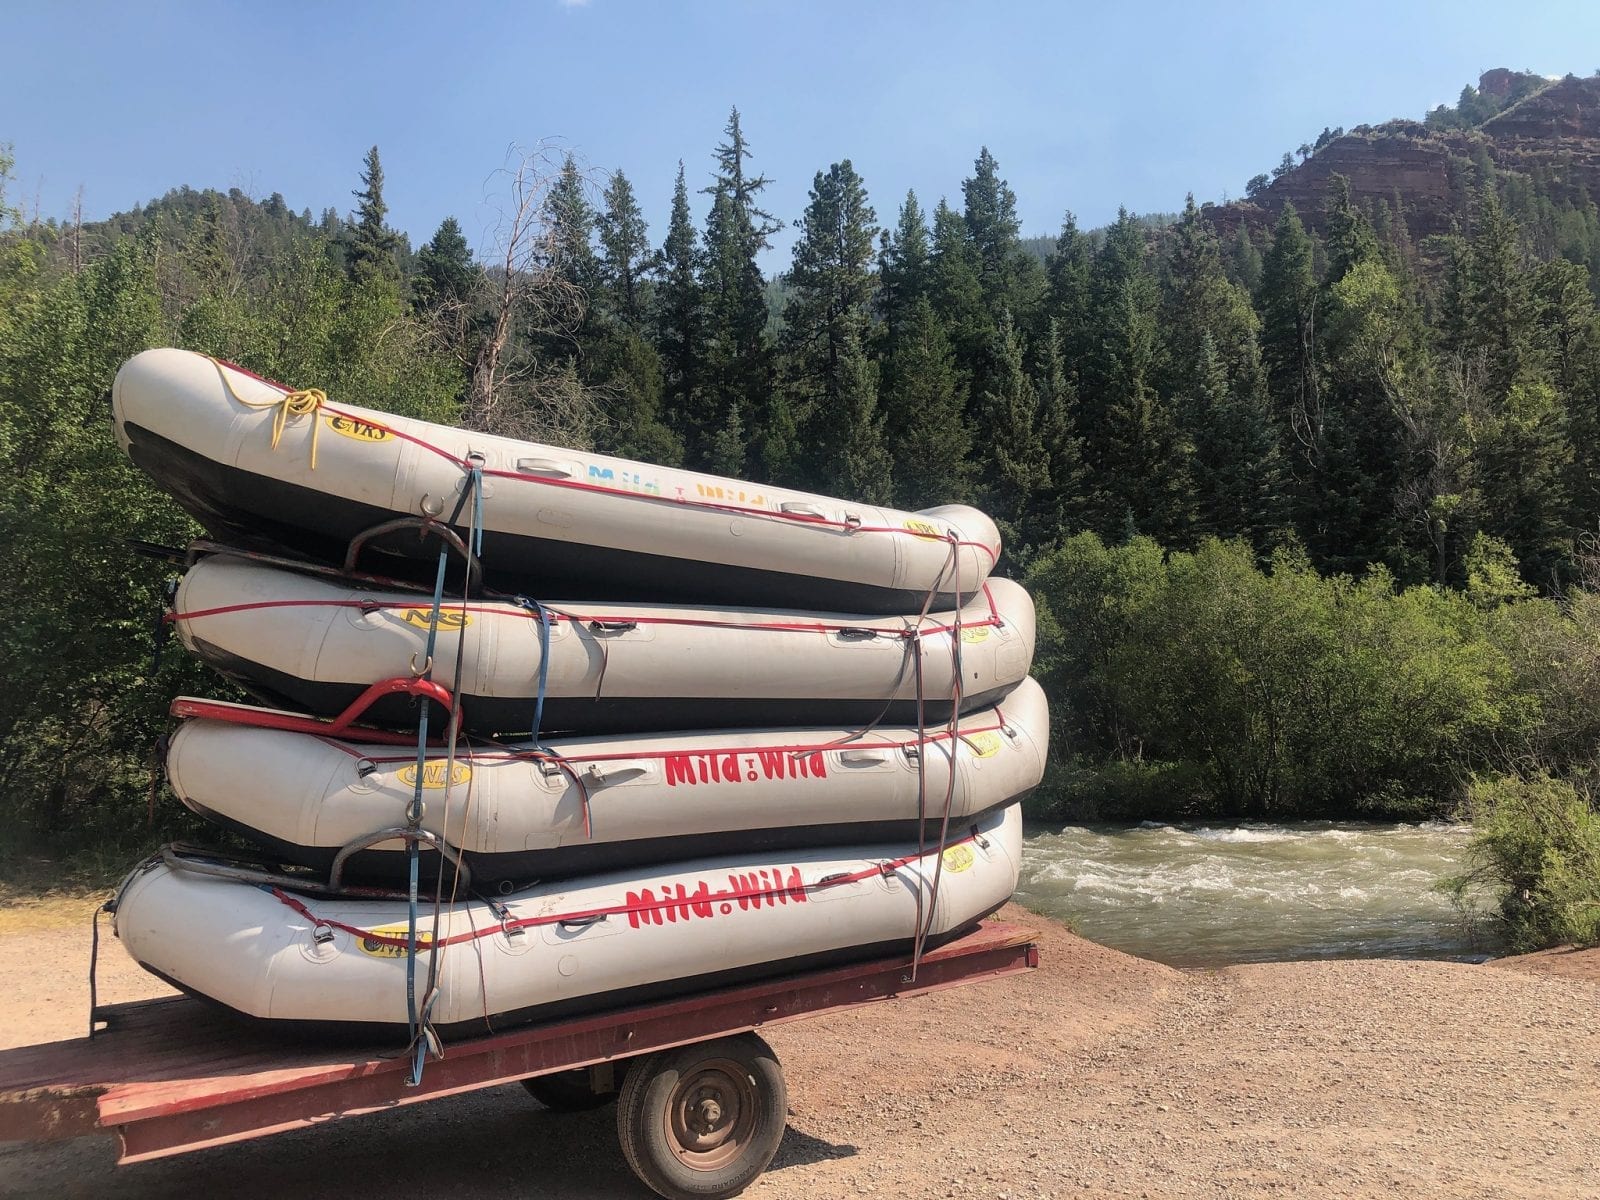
{"x": 259, "y": 465}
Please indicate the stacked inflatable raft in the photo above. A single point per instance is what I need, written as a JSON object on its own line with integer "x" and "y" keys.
{"x": 655, "y": 730}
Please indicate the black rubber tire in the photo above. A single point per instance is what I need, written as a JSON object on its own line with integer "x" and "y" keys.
{"x": 567, "y": 1091}
{"x": 667, "y": 1136}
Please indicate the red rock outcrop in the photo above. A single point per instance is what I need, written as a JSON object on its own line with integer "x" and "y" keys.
{"x": 1555, "y": 130}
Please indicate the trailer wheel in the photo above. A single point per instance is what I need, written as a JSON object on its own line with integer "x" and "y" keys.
{"x": 568, "y": 1091}
{"x": 703, "y": 1121}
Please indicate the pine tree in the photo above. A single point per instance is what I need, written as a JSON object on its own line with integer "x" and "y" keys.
{"x": 1237, "y": 468}
{"x": 859, "y": 465}
{"x": 1064, "y": 505}
{"x": 373, "y": 244}
{"x": 831, "y": 281}
{"x": 1067, "y": 297}
{"x": 1244, "y": 260}
{"x": 1146, "y": 472}
{"x": 572, "y": 222}
{"x": 1008, "y": 276}
{"x": 678, "y": 324}
{"x": 831, "y": 290}
{"x": 626, "y": 376}
{"x": 1288, "y": 302}
{"x": 625, "y": 254}
{"x": 1496, "y": 297}
{"x": 1198, "y": 304}
{"x": 445, "y": 270}
{"x": 954, "y": 287}
{"x": 1522, "y": 455}
{"x": 1139, "y": 453}
{"x": 1350, "y": 239}
{"x": 925, "y": 405}
{"x": 1210, "y": 368}
{"x": 738, "y": 360}
{"x": 1120, "y": 289}
{"x": 1015, "y": 463}
{"x": 903, "y": 266}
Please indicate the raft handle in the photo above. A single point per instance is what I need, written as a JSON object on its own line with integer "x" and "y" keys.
{"x": 857, "y": 635}
{"x": 543, "y": 466}
{"x": 799, "y": 508}
{"x": 424, "y": 526}
{"x": 581, "y": 922}
{"x": 401, "y": 833}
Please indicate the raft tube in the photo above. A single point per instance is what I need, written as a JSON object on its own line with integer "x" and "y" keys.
{"x": 520, "y": 811}
{"x": 298, "y": 641}
{"x": 310, "y": 478}
{"x": 558, "y": 949}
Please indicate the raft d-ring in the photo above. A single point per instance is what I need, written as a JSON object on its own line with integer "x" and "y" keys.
{"x": 852, "y": 521}
{"x": 424, "y": 669}
{"x": 322, "y": 934}
{"x": 431, "y": 507}
{"x": 477, "y": 459}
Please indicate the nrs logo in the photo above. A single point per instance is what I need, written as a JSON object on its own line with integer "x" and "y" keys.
{"x": 449, "y": 619}
{"x": 958, "y": 859}
{"x": 361, "y": 431}
{"x": 433, "y": 775}
{"x": 387, "y": 949}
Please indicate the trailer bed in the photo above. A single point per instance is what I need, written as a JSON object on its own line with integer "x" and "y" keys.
{"x": 173, "y": 1075}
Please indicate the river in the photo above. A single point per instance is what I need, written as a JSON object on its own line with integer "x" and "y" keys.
{"x": 1212, "y": 894}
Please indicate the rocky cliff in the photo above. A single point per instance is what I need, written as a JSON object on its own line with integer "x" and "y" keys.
{"x": 1430, "y": 174}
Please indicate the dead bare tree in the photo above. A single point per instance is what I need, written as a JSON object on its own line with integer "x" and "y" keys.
{"x": 514, "y": 392}
{"x": 75, "y": 237}
{"x": 10, "y": 214}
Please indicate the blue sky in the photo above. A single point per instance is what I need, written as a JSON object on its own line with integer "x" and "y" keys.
{"x": 1086, "y": 106}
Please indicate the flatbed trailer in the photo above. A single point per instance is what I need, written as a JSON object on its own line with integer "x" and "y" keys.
{"x": 700, "y": 1097}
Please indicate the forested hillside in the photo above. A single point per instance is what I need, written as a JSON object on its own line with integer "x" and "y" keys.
{"x": 1309, "y": 499}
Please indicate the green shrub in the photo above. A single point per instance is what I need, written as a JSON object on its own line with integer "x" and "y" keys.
{"x": 1120, "y": 790}
{"x": 1281, "y": 691}
{"x": 1536, "y": 855}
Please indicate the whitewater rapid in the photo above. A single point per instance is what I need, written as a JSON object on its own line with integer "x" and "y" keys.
{"x": 1212, "y": 894}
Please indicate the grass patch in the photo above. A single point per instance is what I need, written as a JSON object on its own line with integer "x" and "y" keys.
{"x": 39, "y": 892}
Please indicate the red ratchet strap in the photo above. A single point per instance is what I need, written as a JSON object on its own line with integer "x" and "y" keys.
{"x": 584, "y": 486}
{"x": 773, "y": 896}
{"x": 268, "y": 718}
{"x": 630, "y": 756}
{"x": 510, "y": 610}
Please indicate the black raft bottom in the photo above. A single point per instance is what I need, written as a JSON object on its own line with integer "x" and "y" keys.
{"x": 259, "y": 512}
{"x": 382, "y": 1033}
{"x": 514, "y": 871}
{"x": 488, "y": 715}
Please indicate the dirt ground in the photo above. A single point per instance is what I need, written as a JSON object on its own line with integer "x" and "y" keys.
{"x": 1099, "y": 1075}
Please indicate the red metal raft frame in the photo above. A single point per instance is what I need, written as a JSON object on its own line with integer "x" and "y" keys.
{"x": 172, "y": 1075}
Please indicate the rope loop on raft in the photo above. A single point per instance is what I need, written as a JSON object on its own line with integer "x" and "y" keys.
{"x": 297, "y": 403}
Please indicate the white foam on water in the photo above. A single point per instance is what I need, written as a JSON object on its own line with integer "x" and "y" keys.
{"x": 1256, "y": 891}
{"x": 1245, "y": 834}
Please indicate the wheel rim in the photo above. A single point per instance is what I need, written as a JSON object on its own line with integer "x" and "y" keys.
{"x": 711, "y": 1116}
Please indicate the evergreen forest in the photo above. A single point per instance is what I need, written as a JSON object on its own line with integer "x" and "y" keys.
{"x": 1311, "y": 511}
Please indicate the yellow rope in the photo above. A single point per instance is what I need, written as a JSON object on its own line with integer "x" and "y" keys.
{"x": 290, "y": 404}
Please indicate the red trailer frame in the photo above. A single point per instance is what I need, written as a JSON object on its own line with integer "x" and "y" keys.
{"x": 173, "y": 1075}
